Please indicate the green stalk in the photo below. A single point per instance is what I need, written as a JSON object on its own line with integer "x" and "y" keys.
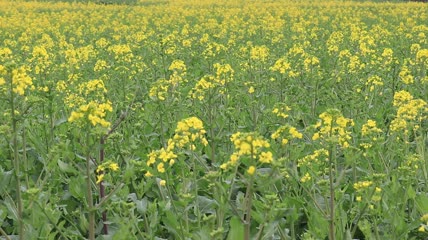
{"x": 174, "y": 208}
{"x": 16, "y": 163}
{"x": 248, "y": 205}
{"x": 3, "y": 233}
{"x": 91, "y": 213}
{"x": 332, "y": 154}
{"x": 195, "y": 181}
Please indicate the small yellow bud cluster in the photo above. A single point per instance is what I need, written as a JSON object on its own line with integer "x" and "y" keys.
{"x": 314, "y": 164}
{"x": 366, "y": 190}
{"x": 252, "y": 146}
{"x": 310, "y": 62}
{"x": 370, "y": 128}
{"x": 160, "y": 158}
{"x": 224, "y": 74}
{"x": 178, "y": 69}
{"x": 333, "y": 127}
{"x": 121, "y": 52}
{"x": 370, "y": 133}
{"x": 286, "y": 133}
{"x": 281, "y": 110}
{"x": 406, "y": 75}
{"x": 103, "y": 168}
{"x": 373, "y": 82}
{"x": 424, "y": 224}
{"x": 411, "y": 164}
{"x": 160, "y": 89}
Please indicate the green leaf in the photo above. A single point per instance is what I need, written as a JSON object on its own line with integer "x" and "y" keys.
{"x": 65, "y": 167}
{"x": 206, "y": 205}
{"x": 236, "y": 229}
{"x": 422, "y": 203}
{"x": 77, "y": 187}
{"x": 5, "y": 177}
{"x": 141, "y": 205}
{"x": 411, "y": 194}
{"x": 171, "y": 223}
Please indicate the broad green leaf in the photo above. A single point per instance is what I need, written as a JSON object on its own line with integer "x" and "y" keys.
{"x": 236, "y": 229}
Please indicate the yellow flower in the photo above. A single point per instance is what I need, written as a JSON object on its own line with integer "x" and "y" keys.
{"x": 251, "y": 170}
{"x": 161, "y": 168}
{"x": 305, "y": 178}
{"x": 100, "y": 178}
{"x": 251, "y": 90}
{"x": 114, "y": 166}
{"x": 266, "y": 157}
{"x": 424, "y": 218}
{"x": 162, "y": 183}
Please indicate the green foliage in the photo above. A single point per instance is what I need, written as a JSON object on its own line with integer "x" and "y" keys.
{"x": 213, "y": 120}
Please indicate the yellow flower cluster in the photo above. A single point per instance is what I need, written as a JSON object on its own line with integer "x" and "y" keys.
{"x": 410, "y": 112}
{"x": 333, "y": 127}
{"x": 249, "y": 145}
{"x": 102, "y": 170}
{"x": 224, "y": 75}
{"x": 160, "y": 158}
{"x": 281, "y": 65}
{"x": 370, "y": 128}
{"x": 373, "y": 82}
{"x": 370, "y": 133}
{"x": 368, "y": 190}
{"x": 424, "y": 224}
{"x": 160, "y": 89}
{"x": 317, "y": 157}
{"x": 92, "y": 106}
{"x": 281, "y": 110}
{"x": 286, "y": 133}
{"x": 94, "y": 112}
{"x": 41, "y": 59}
{"x": 187, "y": 133}
{"x": 313, "y": 164}
{"x": 422, "y": 56}
{"x": 121, "y": 52}
{"x": 259, "y": 53}
{"x": 20, "y": 80}
{"x": 178, "y": 68}
{"x": 411, "y": 164}
{"x": 405, "y": 75}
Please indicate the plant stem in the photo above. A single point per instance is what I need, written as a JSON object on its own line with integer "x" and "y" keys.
{"x": 332, "y": 213}
{"x": 248, "y": 205}
{"x": 91, "y": 212}
{"x": 16, "y": 163}
{"x": 175, "y": 209}
{"x": 102, "y": 188}
{"x": 4, "y": 234}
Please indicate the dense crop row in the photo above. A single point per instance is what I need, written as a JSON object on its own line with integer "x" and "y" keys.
{"x": 202, "y": 120}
